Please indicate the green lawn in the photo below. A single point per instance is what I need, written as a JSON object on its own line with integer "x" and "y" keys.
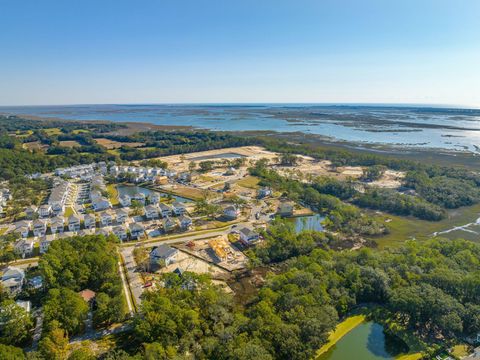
{"x": 340, "y": 331}
{"x": 113, "y": 194}
{"x": 69, "y": 211}
{"x": 250, "y": 182}
{"x": 53, "y": 131}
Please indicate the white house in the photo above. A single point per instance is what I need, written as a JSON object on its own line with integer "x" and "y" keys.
{"x": 39, "y": 228}
{"x": 121, "y": 215}
{"x": 89, "y": 221}
{"x": 231, "y": 212}
{"x": 45, "y": 243}
{"x": 185, "y": 222}
{"x": 140, "y": 197}
{"x": 13, "y": 279}
{"x": 163, "y": 254}
{"x": 165, "y": 210}
{"x": 125, "y": 200}
{"x": 136, "y": 230}
{"x": 57, "y": 225}
{"x": 264, "y": 192}
{"x": 248, "y": 236}
{"x": 154, "y": 198}
{"x": 23, "y": 248}
{"x": 45, "y": 210}
{"x": 169, "y": 224}
{"x": 101, "y": 204}
{"x": 74, "y": 223}
{"x": 30, "y": 211}
{"x": 151, "y": 212}
{"x": 23, "y": 230}
{"x": 106, "y": 218}
{"x": 179, "y": 208}
{"x": 120, "y": 232}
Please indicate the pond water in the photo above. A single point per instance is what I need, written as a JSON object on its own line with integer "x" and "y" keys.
{"x": 311, "y": 222}
{"x": 366, "y": 342}
{"x": 228, "y": 155}
{"x": 132, "y": 190}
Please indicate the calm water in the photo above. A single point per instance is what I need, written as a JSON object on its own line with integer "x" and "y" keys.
{"x": 313, "y": 222}
{"x": 132, "y": 190}
{"x": 454, "y": 129}
{"x": 366, "y": 342}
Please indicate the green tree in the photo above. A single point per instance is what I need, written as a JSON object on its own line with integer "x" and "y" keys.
{"x": 8, "y": 352}
{"x": 67, "y": 308}
{"x": 54, "y": 344}
{"x": 15, "y": 323}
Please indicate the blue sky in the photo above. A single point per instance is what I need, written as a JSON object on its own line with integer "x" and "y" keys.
{"x": 146, "y": 51}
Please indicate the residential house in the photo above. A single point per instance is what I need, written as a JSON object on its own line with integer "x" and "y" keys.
{"x": 89, "y": 221}
{"x": 165, "y": 210}
{"x": 120, "y": 232}
{"x": 264, "y": 192}
{"x": 23, "y": 231}
{"x": 121, "y": 215}
{"x": 36, "y": 282}
{"x": 39, "y": 228}
{"x": 154, "y": 198}
{"x": 248, "y": 236}
{"x": 151, "y": 212}
{"x": 88, "y": 295}
{"x": 57, "y": 225}
{"x": 231, "y": 212}
{"x": 101, "y": 204}
{"x": 13, "y": 279}
{"x": 163, "y": 255}
{"x": 23, "y": 248}
{"x": 45, "y": 243}
{"x": 136, "y": 230}
{"x": 106, "y": 218}
{"x": 45, "y": 210}
{"x": 125, "y": 200}
{"x": 169, "y": 224}
{"x": 140, "y": 197}
{"x": 31, "y": 211}
{"x": 59, "y": 195}
{"x": 185, "y": 222}
{"x": 285, "y": 209}
{"x": 74, "y": 223}
{"x": 179, "y": 208}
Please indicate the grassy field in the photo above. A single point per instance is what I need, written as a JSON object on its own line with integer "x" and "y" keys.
{"x": 340, "y": 331}
{"x": 113, "y": 194}
{"x": 70, "y": 143}
{"x": 250, "y": 182}
{"x": 80, "y": 131}
{"x": 69, "y": 211}
{"x": 405, "y": 228}
{"x": 53, "y": 131}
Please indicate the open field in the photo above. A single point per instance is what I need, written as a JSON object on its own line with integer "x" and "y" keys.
{"x": 35, "y": 145}
{"x": 250, "y": 182}
{"x": 112, "y": 144}
{"x": 70, "y": 143}
{"x": 53, "y": 131}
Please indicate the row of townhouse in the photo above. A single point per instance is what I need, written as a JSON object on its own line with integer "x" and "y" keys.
{"x": 99, "y": 202}
{"x": 154, "y": 211}
{"x": 141, "y": 173}
{"x": 83, "y": 172}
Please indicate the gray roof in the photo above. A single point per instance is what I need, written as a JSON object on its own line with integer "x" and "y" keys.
{"x": 164, "y": 251}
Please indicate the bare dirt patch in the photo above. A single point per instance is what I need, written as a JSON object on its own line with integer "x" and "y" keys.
{"x": 112, "y": 144}
{"x": 70, "y": 143}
